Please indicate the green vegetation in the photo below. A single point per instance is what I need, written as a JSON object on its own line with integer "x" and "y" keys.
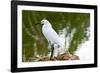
{"x": 35, "y": 44}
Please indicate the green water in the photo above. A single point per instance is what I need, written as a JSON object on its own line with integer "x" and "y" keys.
{"x": 33, "y": 41}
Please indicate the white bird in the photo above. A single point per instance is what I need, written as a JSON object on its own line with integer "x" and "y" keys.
{"x": 50, "y": 34}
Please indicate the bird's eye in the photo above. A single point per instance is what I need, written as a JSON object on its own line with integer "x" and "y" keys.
{"x": 42, "y": 22}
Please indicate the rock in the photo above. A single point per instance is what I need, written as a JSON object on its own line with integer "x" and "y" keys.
{"x": 65, "y": 58}
{"x": 74, "y": 57}
{"x": 45, "y": 59}
{"x": 53, "y": 59}
{"x": 59, "y": 57}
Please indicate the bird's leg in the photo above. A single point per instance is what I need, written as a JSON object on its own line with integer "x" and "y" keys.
{"x": 52, "y": 51}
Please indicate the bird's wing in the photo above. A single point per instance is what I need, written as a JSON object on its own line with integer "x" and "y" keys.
{"x": 51, "y": 35}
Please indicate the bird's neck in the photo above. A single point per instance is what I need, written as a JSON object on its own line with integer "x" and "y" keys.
{"x": 47, "y": 25}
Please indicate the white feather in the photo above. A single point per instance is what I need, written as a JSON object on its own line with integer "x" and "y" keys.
{"x": 51, "y": 35}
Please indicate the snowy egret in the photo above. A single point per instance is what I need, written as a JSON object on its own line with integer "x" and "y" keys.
{"x": 50, "y": 34}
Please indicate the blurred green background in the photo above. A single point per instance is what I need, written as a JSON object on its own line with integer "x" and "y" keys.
{"x": 74, "y": 26}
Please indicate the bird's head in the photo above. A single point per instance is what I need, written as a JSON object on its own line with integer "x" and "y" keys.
{"x": 45, "y": 22}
